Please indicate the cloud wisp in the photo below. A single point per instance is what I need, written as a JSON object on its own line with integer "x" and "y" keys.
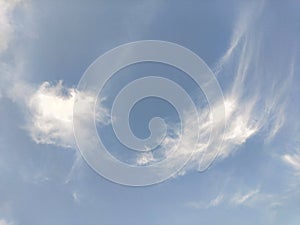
{"x": 255, "y": 100}
{"x": 6, "y": 23}
{"x": 255, "y": 92}
{"x": 5, "y": 222}
{"x": 293, "y": 160}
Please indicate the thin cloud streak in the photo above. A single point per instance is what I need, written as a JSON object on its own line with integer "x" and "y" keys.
{"x": 255, "y": 102}
{"x": 202, "y": 205}
{"x": 239, "y": 199}
{"x": 293, "y": 161}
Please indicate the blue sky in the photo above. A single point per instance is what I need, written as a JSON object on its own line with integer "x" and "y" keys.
{"x": 252, "y": 48}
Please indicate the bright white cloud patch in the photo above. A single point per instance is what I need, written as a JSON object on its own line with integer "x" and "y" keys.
{"x": 51, "y": 109}
{"x": 51, "y": 115}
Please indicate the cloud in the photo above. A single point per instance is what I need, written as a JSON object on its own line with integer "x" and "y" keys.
{"x": 202, "y": 205}
{"x": 48, "y": 110}
{"x": 76, "y": 197}
{"x": 261, "y": 77}
{"x": 5, "y": 222}
{"x": 243, "y": 21}
{"x": 246, "y": 197}
{"x": 7, "y": 36}
{"x": 51, "y": 114}
{"x": 293, "y": 160}
{"x": 12, "y": 58}
{"x": 7, "y": 27}
{"x": 240, "y": 199}
{"x": 254, "y": 97}
{"x": 249, "y": 197}
{"x": 241, "y": 125}
{"x": 256, "y": 198}
{"x": 145, "y": 158}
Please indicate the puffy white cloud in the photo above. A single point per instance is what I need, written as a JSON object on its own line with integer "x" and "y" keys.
{"x": 51, "y": 111}
{"x": 48, "y": 111}
{"x": 51, "y": 114}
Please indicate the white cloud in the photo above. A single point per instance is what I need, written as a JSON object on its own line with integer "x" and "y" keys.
{"x": 255, "y": 100}
{"x": 51, "y": 115}
{"x": 7, "y": 29}
{"x": 245, "y": 18}
{"x": 241, "y": 125}
{"x": 216, "y": 201}
{"x": 202, "y": 205}
{"x": 76, "y": 197}
{"x": 293, "y": 160}
{"x": 255, "y": 198}
{"x": 145, "y": 158}
{"x": 239, "y": 198}
{"x": 48, "y": 110}
{"x": 51, "y": 110}
{"x": 252, "y": 198}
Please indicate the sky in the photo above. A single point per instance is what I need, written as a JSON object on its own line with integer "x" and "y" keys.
{"x": 253, "y": 49}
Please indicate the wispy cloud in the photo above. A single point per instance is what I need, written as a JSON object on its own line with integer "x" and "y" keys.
{"x": 5, "y": 222}
{"x": 293, "y": 160}
{"x": 247, "y": 197}
{"x": 256, "y": 96}
{"x": 202, "y": 205}
{"x": 7, "y": 26}
{"x": 255, "y": 91}
{"x": 243, "y": 198}
{"x": 76, "y": 196}
{"x": 7, "y": 31}
{"x": 245, "y": 18}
